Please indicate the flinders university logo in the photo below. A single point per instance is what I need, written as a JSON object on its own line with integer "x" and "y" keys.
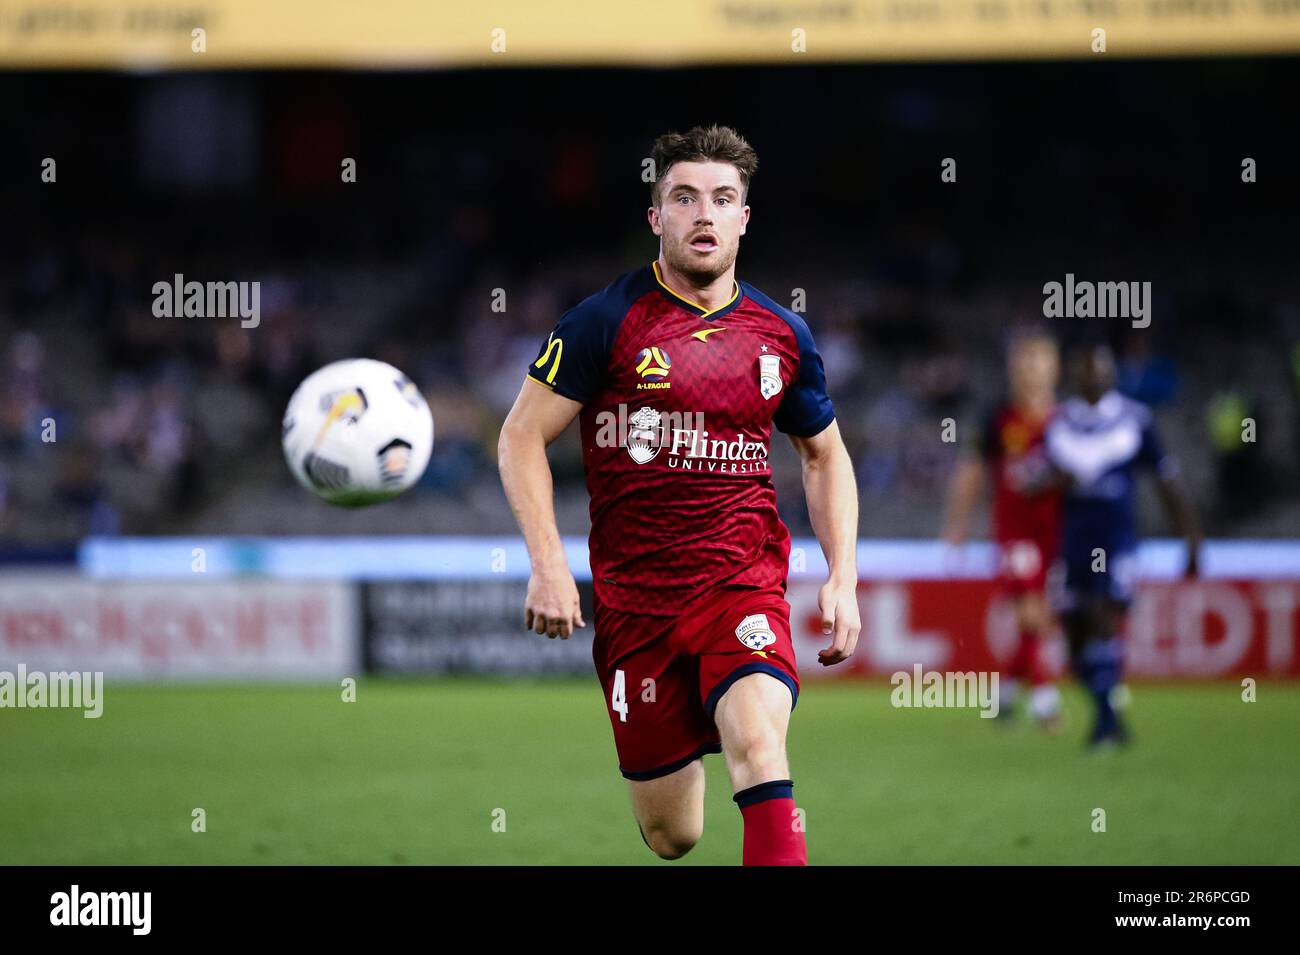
{"x": 643, "y": 433}
{"x": 647, "y": 431}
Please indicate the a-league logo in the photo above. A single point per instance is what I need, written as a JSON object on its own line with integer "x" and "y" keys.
{"x": 755, "y": 633}
{"x": 653, "y": 363}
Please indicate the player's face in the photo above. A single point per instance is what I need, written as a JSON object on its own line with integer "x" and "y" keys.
{"x": 1095, "y": 371}
{"x": 1033, "y": 367}
{"x": 700, "y": 218}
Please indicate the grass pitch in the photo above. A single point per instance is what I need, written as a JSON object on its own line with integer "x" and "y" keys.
{"x": 417, "y": 771}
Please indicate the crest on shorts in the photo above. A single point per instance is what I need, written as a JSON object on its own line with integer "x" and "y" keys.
{"x": 1022, "y": 560}
{"x": 769, "y": 375}
{"x": 755, "y": 633}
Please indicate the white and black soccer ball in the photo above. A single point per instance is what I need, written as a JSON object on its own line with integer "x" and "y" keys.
{"x": 357, "y": 432}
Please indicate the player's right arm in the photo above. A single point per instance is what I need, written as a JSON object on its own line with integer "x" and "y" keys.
{"x": 568, "y": 373}
{"x": 538, "y": 417}
{"x": 967, "y": 480}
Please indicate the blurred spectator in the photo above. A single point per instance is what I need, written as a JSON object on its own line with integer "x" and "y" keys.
{"x": 23, "y": 406}
{"x": 1143, "y": 375}
{"x": 80, "y": 495}
{"x": 1242, "y": 478}
{"x": 457, "y": 249}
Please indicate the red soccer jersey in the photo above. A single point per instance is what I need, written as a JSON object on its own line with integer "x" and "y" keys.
{"x": 678, "y": 408}
{"x": 1025, "y": 505}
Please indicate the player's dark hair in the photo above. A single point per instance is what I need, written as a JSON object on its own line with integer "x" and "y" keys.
{"x": 703, "y": 144}
{"x": 1087, "y": 341}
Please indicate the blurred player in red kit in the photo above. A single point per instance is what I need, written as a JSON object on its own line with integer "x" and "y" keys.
{"x": 1026, "y": 509}
{"x": 677, "y": 373}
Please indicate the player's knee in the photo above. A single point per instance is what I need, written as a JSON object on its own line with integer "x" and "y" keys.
{"x": 1031, "y": 613}
{"x": 760, "y": 750}
{"x": 672, "y": 841}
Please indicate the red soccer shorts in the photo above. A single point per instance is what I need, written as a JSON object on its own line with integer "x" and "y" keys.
{"x": 1023, "y": 565}
{"x": 663, "y": 676}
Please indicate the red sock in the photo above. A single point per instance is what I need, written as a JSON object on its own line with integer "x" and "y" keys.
{"x": 773, "y": 827}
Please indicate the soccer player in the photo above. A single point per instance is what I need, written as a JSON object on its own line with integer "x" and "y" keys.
{"x": 677, "y": 373}
{"x": 1026, "y": 510}
{"x": 1100, "y": 441}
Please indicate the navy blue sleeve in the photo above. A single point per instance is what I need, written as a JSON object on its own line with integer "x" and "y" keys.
{"x": 573, "y": 359}
{"x": 806, "y": 408}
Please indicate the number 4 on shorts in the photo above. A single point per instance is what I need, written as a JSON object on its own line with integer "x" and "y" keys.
{"x": 618, "y": 701}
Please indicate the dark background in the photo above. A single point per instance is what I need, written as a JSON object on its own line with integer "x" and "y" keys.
{"x": 530, "y": 182}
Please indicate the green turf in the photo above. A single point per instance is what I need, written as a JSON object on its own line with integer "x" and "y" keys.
{"x": 413, "y": 771}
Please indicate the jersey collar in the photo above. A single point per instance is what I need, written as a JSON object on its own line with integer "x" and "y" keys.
{"x": 1108, "y": 406}
{"x": 693, "y": 307}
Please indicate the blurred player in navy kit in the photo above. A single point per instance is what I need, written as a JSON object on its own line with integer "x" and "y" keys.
{"x": 1100, "y": 441}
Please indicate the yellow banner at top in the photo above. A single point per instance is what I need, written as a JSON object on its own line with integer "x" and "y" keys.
{"x": 207, "y": 34}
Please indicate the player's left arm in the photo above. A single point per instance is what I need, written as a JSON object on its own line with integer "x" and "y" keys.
{"x": 832, "y": 494}
{"x": 807, "y": 417}
{"x": 1183, "y": 517}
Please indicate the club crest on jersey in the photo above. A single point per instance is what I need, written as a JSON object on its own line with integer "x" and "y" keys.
{"x": 755, "y": 633}
{"x": 643, "y": 433}
{"x": 653, "y": 365}
{"x": 769, "y": 375}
